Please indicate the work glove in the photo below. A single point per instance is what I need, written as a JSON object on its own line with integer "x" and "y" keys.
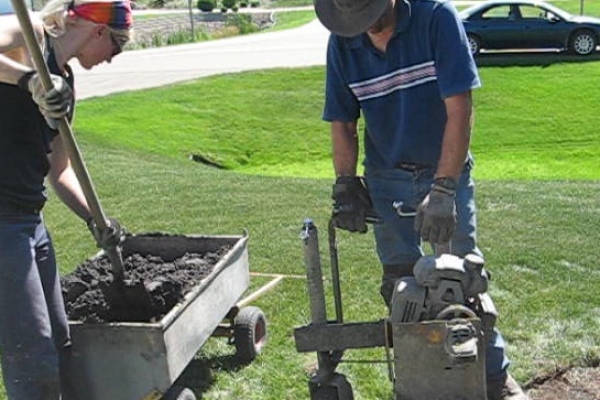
{"x": 112, "y": 236}
{"x": 436, "y": 215}
{"x": 351, "y": 204}
{"x": 53, "y": 104}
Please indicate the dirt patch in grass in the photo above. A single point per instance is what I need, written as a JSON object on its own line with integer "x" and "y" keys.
{"x": 152, "y": 287}
{"x": 575, "y": 383}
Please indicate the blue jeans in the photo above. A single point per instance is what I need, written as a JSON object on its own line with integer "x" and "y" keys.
{"x": 399, "y": 245}
{"x": 34, "y": 332}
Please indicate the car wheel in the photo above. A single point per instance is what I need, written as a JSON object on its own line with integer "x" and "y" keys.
{"x": 583, "y": 43}
{"x": 474, "y": 43}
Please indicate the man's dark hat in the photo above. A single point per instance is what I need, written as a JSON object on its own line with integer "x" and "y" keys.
{"x": 349, "y": 17}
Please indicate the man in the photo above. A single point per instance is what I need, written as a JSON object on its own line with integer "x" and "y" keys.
{"x": 406, "y": 66}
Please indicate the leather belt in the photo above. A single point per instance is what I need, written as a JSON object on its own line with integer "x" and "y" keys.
{"x": 411, "y": 167}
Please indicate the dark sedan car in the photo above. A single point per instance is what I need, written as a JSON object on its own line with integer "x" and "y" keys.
{"x": 528, "y": 24}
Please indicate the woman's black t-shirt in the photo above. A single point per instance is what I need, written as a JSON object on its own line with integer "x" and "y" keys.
{"x": 25, "y": 139}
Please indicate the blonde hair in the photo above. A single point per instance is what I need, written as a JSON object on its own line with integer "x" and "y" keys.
{"x": 55, "y": 19}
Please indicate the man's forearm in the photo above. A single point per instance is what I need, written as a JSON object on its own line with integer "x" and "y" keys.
{"x": 344, "y": 141}
{"x": 457, "y": 136}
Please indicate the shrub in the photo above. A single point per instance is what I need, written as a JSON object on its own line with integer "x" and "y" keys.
{"x": 243, "y": 22}
{"x": 206, "y": 5}
{"x": 254, "y": 4}
{"x": 243, "y": 4}
{"x": 223, "y": 10}
{"x": 228, "y": 3}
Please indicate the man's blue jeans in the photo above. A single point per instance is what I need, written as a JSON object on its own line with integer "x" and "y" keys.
{"x": 34, "y": 332}
{"x": 399, "y": 245}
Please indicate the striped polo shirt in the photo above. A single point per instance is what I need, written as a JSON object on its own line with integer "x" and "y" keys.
{"x": 401, "y": 92}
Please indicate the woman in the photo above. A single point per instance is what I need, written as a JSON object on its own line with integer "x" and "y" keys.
{"x": 34, "y": 333}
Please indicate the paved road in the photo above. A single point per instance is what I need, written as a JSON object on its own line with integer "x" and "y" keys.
{"x": 142, "y": 69}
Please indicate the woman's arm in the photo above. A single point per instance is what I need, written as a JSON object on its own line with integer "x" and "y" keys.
{"x": 64, "y": 181}
{"x": 15, "y": 59}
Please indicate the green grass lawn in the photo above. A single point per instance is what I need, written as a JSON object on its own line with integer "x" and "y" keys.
{"x": 538, "y": 122}
{"x": 291, "y": 19}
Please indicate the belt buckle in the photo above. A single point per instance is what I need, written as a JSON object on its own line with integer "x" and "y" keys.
{"x": 411, "y": 167}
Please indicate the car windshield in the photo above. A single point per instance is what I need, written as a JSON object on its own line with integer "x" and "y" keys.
{"x": 468, "y": 11}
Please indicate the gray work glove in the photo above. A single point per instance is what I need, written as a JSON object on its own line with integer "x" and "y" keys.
{"x": 112, "y": 236}
{"x": 436, "y": 215}
{"x": 351, "y": 204}
{"x": 53, "y": 104}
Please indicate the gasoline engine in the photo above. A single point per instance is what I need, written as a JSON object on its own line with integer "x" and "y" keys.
{"x": 440, "y": 320}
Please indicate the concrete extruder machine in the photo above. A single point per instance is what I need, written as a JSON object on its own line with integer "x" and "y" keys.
{"x": 434, "y": 337}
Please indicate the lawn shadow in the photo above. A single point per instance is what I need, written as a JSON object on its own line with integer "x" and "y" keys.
{"x": 199, "y": 374}
{"x": 522, "y": 58}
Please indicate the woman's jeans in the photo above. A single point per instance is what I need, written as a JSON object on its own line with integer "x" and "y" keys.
{"x": 399, "y": 245}
{"x": 34, "y": 333}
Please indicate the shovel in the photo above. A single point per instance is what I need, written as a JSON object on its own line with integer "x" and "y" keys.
{"x": 114, "y": 252}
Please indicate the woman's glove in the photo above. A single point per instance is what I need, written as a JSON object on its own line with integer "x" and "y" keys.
{"x": 436, "y": 215}
{"x": 112, "y": 236}
{"x": 53, "y": 104}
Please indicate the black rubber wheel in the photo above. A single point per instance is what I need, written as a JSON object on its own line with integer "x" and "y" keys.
{"x": 474, "y": 43}
{"x": 249, "y": 333}
{"x": 179, "y": 393}
{"x": 583, "y": 42}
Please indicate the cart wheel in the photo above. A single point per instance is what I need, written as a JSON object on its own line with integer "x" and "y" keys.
{"x": 249, "y": 333}
{"x": 179, "y": 393}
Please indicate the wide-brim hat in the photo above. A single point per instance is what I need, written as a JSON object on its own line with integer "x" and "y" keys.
{"x": 349, "y": 17}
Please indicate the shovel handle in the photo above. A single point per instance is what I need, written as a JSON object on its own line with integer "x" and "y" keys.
{"x": 66, "y": 132}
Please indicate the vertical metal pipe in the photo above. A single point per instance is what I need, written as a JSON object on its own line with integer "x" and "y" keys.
{"x": 314, "y": 275}
{"x": 192, "y": 21}
{"x": 335, "y": 273}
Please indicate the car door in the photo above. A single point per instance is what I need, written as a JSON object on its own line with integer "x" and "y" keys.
{"x": 498, "y": 29}
{"x": 542, "y": 28}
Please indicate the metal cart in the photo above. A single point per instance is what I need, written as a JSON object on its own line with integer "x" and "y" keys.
{"x": 141, "y": 361}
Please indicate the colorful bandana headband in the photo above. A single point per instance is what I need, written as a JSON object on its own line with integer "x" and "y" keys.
{"x": 116, "y": 14}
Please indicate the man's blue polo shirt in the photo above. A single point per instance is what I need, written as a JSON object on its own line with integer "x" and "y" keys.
{"x": 401, "y": 92}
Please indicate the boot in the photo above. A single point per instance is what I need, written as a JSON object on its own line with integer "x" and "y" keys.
{"x": 505, "y": 389}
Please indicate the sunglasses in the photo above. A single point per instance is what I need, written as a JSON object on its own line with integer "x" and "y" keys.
{"x": 117, "y": 48}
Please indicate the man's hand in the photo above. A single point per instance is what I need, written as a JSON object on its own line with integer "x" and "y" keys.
{"x": 112, "y": 236}
{"x": 436, "y": 215}
{"x": 351, "y": 204}
{"x": 53, "y": 104}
